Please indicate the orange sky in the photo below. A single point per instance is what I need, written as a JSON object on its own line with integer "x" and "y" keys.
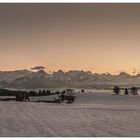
{"x": 97, "y": 37}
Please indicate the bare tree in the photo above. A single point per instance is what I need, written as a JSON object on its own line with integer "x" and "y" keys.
{"x": 116, "y": 90}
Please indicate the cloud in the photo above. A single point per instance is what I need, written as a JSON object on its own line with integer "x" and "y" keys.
{"x": 38, "y": 68}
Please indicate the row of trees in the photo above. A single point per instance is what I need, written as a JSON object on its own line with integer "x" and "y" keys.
{"x": 24, "y": 96}
{"x": 6, "y": 92}
{"x": 131, "y": 91}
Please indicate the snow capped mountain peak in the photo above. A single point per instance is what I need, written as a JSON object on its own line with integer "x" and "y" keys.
{"x": 76, "y": 78}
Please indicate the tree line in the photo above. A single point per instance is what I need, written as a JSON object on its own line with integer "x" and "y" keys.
{"x": 7, "y": 92}
{"x": 127, "y": 91}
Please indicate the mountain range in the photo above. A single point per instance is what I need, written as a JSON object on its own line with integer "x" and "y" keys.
{"x": 73, "y": 78}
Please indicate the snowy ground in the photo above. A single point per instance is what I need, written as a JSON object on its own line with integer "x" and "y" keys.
{"x": 92, "y": 114}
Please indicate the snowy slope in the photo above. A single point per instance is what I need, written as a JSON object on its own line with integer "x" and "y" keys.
{"x": 91, "y": 115}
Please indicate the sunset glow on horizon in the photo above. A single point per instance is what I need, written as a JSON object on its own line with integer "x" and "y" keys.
{"x": 97, "y": 37}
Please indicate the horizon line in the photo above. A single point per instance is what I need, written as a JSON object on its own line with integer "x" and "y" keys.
{"x": 50, "y": 71}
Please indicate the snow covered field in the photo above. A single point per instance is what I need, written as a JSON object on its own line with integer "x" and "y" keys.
{"x": 92, "y": 114}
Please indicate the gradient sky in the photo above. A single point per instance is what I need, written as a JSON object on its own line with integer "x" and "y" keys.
{"x": 97, "y": 37}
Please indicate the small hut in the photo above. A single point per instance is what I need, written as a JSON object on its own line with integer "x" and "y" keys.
{"x": 70, "y": 92}
{"x": 20, "y": 96}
